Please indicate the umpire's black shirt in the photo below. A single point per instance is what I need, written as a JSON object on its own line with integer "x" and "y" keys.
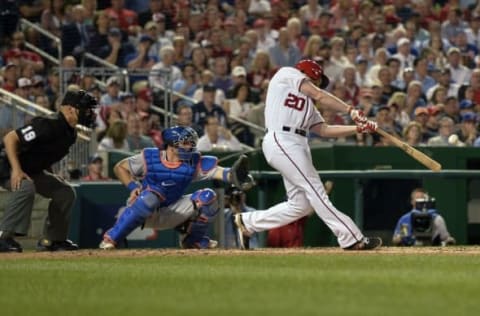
{"x": 43, "y": 142}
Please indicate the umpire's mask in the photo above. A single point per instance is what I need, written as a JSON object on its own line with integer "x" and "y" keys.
{"x": 85, "y": 103}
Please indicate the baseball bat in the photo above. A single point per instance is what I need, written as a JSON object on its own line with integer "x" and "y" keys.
{"x": 414, "y": 153}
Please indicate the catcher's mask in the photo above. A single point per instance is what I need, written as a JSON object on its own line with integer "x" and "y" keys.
{"x": 314, "y": 71}
{"x": 85, "y": 103}
{"x": 184, "y": 139}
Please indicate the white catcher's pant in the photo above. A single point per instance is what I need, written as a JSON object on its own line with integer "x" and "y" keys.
{"x": 289, "y": 153}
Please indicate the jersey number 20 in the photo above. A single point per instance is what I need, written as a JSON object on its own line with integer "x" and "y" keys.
{"x": 295, "y": 102}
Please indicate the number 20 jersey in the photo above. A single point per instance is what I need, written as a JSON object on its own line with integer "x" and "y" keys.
{"x": 286, "y": 105}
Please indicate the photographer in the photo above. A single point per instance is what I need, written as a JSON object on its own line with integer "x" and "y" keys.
{"x": 234, "y": 204}
{"x": 25, "y": 169}
{"x": 422, "y": 225}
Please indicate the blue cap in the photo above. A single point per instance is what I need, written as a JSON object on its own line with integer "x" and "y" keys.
{"x": 465, "y": 104}
{"x": 468, "y": 116}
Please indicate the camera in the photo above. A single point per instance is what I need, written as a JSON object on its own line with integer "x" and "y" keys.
{"x": 425, "y": 204}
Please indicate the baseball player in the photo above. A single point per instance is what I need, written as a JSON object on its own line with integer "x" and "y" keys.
{"x": 290, "y": 114}
{"x": 159, "y": 201}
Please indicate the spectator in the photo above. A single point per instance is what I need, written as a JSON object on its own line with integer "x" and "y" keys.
{"x": 397, "y": 105}
{"x": 217, "y": 138}
{"x": 9, "y": 21}
{"x": 284, "y": 52}
{"x": 112, "y": 96}
{"x": 126, "y": 18}
{"x": 95, "y": 170}
{"x": 77, "y": 34}
{"x": 187, "y": 84}
{"x": 423, "y": 225}
{"x": 185, "y": 117}
{"x": 444, "y": 80}
{"x": 235, "y": 202}
{"x": 99, "y": 36}
{"x": 32, "y": 9}
{"x": 115, "y": 51}
{"x": 467, "y": 132}
{"x": 445, "y": 131}
{"x": 256, "y": 115}
{"x": 451, "y": 109}
{"x": 310, "y": 11}
{"x": 404, "y": 54}
{"x": 222, "y": 79}
{"x": 207, "y": 107}
{"x": 116, "y": 137}
{"x": 262, "y": 68}
{"x": 439, "y": 96}
{"x": 52, "y": 20}
{"x": 154, "y": 11}
{"x": 135, "y": 137}
{"x": 140, "y": 59}
{"x": 20, "y": 56}
{"x": 10, "y": 77}
{"x": 453, "y": 25}
{"x": 412, "y": 134}
{"x": 420, "y": 65}
{"x": 459, "y": 73}
{"x": 156, "y": 78}
{"x": 199, "y": 59}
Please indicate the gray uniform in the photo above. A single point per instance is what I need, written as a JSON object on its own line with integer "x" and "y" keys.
{"x": 175, "y": 214}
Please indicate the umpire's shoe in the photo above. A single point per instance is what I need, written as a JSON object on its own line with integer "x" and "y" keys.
{"x": 367, "y": 243}
{"x": 55, "y": 245}
{"x": 9, "y": 245}
{"x": 243, "y": 236}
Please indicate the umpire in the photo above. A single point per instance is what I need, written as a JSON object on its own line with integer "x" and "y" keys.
{"x": 29, "y": 152}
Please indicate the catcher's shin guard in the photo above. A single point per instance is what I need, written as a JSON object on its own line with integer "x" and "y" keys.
{"x": 133, "y": 216}
{"x": 206, "y": 204}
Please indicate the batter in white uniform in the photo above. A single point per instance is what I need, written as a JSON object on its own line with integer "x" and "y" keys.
{"x": 290, "y": 114}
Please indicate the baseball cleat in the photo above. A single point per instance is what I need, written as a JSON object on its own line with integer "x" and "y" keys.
{"x": 45, "y": 244}
{"x": 243, "y": 238}
{"x": 9, "y": 245}
{"x": 367, "y": 243}
{"x": 107, "y": 244}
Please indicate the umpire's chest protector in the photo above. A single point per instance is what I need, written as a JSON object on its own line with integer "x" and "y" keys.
{"x": 170, "y": 182}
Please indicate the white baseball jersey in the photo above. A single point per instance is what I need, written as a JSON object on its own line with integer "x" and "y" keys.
{"x": 286, "y": 105}
{"x": 286, "y": 149}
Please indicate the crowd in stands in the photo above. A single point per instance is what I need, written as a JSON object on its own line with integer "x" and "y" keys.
{"x": 411, "y": 65}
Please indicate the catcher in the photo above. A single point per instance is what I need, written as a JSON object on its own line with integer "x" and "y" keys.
{"x": 159, "y": 201}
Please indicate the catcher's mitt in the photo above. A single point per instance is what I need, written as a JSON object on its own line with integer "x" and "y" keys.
{"x": 240, "y": 175}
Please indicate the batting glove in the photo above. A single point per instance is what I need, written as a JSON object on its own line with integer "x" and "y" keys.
{"x": 367, "y": 127}
{"x": 357, "y": 115}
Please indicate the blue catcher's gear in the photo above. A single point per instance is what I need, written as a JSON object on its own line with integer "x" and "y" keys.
{"x": 133, "y": 216}
{"x": 169, "y": 183}
{"x": 207, "y": 163}
{"x": 183, "y": 138}
{"x": 206, "y": 204}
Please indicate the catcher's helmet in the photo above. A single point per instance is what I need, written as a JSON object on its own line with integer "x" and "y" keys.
{"x": 313, "y": 71}
{"x": 179, "y": 135}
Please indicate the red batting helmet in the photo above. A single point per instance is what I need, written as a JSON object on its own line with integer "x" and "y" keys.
{"x": 313, "y": 70}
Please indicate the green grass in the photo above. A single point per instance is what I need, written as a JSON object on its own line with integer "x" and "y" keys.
{"x": 330, "y": 284}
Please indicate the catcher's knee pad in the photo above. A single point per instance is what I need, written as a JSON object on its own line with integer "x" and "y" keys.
{"x": 133, "y": 216}
{"x": 206, "y": 204}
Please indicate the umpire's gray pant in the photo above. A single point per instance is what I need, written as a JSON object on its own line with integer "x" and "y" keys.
{"x": 18, "y": 209}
